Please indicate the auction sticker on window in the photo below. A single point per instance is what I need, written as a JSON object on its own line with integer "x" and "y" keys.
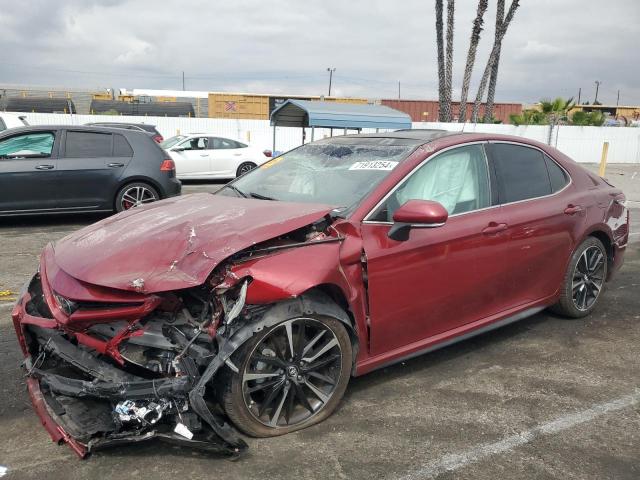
{"x": 374, "y": 165}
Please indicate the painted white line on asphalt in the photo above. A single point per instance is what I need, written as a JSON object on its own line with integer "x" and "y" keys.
{"x": 456, "y": 461}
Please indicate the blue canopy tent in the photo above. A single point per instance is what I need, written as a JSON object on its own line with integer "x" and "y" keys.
{"x": 347, "y": 116}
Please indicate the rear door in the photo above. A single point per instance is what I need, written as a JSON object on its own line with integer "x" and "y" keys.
{"x": 537, "y": 203}
{"x": 28, "y": 171}
{"x": 87, "y": 171}
{"x": 226, "y": 157}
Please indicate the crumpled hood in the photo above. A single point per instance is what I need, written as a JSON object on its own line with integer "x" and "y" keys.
{"x": 176, "y": 243}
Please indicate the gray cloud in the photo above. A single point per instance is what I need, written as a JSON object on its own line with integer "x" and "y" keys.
{"x": 553, "y": 47}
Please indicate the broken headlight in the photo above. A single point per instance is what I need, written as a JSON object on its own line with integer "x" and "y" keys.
{"x": 66, "y": 305}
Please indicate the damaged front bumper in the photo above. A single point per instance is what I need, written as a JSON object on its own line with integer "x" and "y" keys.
{"x": 85, "y": 399}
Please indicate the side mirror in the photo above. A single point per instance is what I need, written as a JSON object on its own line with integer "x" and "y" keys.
{"x": 416, "y": 214}
{"x": 178, "y": 149}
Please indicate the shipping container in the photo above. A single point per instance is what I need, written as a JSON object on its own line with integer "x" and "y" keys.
{"x": 240, "y": 106}
{"x": 259, "y": 106}
{"x": 427, "y": 110}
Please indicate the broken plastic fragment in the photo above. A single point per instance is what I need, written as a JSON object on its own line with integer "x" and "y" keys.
{"x": 182, "y": 429}
{"x": 138, "y": 284}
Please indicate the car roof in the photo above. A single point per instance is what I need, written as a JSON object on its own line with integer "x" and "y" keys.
{"x": 87, "y": 128}
{"x": 399, "y": 137}
{"x": 419, "y": 137}
{"x": 141, "y": 125}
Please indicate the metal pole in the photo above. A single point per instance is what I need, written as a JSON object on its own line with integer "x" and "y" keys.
{"x": 618, "y": 99}
{"x": 330, "y": 70}
{"x": 273, "y": 150}
{"x": 579, "y": 94}
{"x": 597, "y": 88}
{"x": 399, "y": 90}
{"x": 313, "y": 131}
{"x": 183, "y": 81}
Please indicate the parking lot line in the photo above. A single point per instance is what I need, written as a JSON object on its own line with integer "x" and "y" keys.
{"x": 456, "y": 461}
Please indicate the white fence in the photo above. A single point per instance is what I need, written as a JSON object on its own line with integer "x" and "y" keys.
{"x": 584, "y": 144}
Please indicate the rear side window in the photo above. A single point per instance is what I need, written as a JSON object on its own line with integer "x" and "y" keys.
{"x": 87, "y": 145}
{"x": 521, "y": 171}
{"x": 557, "y": 175}
{"x": 121, "y": 147}
{"x": 225, "y": 144}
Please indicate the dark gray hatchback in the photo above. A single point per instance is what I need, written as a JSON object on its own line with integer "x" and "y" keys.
{"x": 55, "y": 169}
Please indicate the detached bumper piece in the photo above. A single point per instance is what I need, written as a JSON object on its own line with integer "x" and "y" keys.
{"x": 92, "y": 404}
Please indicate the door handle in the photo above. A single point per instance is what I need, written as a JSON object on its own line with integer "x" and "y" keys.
{"x": 237, "y": 154}
{"x": 204, "y": 154}
{"x": 572, "y": 209}
{"x": 116, "y": 165}
{"x": 45, "y": 167}
{"x": 494, "y": 227}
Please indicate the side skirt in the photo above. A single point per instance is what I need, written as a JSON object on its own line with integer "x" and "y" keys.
{"x": 444, "y": 339}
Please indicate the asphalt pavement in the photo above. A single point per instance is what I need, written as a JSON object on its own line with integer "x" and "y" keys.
{"x": 540, "y": 399}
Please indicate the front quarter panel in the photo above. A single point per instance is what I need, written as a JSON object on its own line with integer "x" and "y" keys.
{"x": 289, "y": 274}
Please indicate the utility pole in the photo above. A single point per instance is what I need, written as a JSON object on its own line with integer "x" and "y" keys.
{"x": 618, "y": 99}
{"x": 330, "y": 70}
{"x": 597, "y": 82}
{"x": 399, "y": 90}
{"x": 183, "y": 81}
{"x": 579, "y": 94}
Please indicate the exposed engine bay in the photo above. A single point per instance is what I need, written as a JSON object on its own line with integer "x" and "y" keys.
{"x": 118, "y": 372}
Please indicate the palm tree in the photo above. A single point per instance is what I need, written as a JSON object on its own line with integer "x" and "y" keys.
{"x": 557, "y": 111}
{"x": 488, "y": 109}
{"x": 497, "y": 44}
{"x": 471, "y": 58}
{"x": 449, "y": 61}
{"x": 440, "y": 47}
{"x": 528, "y": 117}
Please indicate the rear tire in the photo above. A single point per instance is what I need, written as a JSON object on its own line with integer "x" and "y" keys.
{"x": 584, "y": 280}
{"x": 135, "y": 194}
{"x": 245, "y": 167}
{"x": 293, "y": 392}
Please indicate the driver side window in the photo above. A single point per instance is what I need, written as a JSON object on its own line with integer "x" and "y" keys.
{"x": 200, "y": 143}
{"x": 28, "y": 145}
{"x": 457, "y": 178}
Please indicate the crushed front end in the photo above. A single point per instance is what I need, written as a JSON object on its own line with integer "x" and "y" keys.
{"x": 112, "y": 367}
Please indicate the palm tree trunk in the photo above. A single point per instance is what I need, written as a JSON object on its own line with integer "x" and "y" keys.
{"x": 492, "y": 57}
{"x": 449, "y": 61}
{"x": 471, "y": 58}
{"x": 488, "y": 109}
{"x": 440, "y": 46}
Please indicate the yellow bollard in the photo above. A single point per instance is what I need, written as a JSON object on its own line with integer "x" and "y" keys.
{"x": 603, "y": 159}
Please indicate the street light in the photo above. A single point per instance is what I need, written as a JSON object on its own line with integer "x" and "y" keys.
{"x": 330, "y": 70}
{"x": 597, "y": 82}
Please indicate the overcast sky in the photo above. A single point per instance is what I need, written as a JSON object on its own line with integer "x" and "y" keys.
{"x": 553, "y": 47}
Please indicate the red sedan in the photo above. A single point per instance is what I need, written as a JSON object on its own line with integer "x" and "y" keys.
{"x": 257, "y": 304}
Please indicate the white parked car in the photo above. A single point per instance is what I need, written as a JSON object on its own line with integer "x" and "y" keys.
{"x": 207, "y": 156}
{"x": 12, "y": 120}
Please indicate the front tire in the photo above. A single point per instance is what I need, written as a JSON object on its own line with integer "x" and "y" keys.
{"x": 291, "y": 376}
{"x": 584, "y": 281}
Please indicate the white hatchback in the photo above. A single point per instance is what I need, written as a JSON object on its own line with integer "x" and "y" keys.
{"x": 206, "y": 156}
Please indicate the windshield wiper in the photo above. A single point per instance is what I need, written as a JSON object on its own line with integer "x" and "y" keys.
{"x": 235, "y": 189}
{"x": 260, "y": 197}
